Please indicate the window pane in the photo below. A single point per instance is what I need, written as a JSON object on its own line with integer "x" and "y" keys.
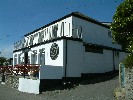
{"x": 92, "y": 48}
{"x": 42, "y": 58}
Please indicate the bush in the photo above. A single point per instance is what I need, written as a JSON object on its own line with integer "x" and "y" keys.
{"x": 128, "y": 62}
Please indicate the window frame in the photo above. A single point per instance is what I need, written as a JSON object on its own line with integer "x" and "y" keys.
{"x": 94, "y": 49}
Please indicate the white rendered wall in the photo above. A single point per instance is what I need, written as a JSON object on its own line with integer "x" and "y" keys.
{"x": 74, "y": 58}
{"x": 119, "y": 59}
{"x": 53, "y": 69}
{"x": 97, "y": 62}
{"x": 93, "y": 33}
{"x": 51, "y": 72}
{"x": 59, "y": 60}
{"x": 29, "y": 85}
{"x": 48, "y": 60}
{"x": 108, "y": 60}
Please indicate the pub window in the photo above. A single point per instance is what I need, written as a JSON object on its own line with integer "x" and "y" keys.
{"x": 92, "y": 48}
{"x": 117, "y": 53}
{"x": 34, "y": 57}
{"x": 15, "y": 59}
{"x": 42, "y": 56}
{"x": 109, "y": 34}
{"x": 22, "y": 60}
{"x": 19, "y": 59}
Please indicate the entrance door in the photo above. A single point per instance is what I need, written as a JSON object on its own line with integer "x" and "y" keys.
{"x": 26, "y": 58}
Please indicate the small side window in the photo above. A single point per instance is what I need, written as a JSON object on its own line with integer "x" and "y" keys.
{"x": 117, "y": 53}
{"x": 42, "y": 56}
{"x": 15, "y": 59}
{"x": 34, "y": 57}
{"x": 109, "y": 34}
{"x": 94, "y": 49}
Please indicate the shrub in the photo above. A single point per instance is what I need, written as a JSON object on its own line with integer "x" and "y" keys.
{"x": 128, "y": 62}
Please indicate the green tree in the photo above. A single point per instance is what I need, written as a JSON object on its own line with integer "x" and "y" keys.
{"x": 122, "y": 29}
{"x": 3, "y": 60}
{"x": 122, "y": 25}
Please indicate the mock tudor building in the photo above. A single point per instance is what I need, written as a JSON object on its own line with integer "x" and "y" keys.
{"x": 69, "y": 47}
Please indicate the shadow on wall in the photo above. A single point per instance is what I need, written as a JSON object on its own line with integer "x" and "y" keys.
{"x": 97, "y": 78}
{"x": 71, "y": 83}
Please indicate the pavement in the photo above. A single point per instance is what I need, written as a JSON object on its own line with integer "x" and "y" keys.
{"x": 97, "y": 89}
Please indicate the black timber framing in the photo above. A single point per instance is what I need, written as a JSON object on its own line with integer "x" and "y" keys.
{"x": 49, "y": 41}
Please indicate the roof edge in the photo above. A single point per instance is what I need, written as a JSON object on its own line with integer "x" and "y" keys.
{"x": 87, "y": 18}
{"x": 76, "y": 14}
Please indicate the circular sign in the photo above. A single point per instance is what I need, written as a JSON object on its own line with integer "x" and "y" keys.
{"x": 54, "y": 51}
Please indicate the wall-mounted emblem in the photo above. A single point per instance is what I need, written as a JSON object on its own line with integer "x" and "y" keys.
{"x": 54, "y": 51}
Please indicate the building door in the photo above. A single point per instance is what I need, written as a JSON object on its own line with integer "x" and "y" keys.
{"x": 26, "y": 58}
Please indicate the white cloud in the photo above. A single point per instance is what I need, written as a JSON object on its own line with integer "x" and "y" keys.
{"x": 7, "y": 51}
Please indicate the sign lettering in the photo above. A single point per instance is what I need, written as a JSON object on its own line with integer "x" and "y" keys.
{"x": 50, "y": 32}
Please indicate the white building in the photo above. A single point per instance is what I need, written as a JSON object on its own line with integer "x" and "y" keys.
{"x": 69, "y": 47}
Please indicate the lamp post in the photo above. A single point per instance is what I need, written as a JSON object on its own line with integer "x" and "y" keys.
{"x": 25, "y": 58}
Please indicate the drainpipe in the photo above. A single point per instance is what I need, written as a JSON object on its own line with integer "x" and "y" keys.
{"x": 66, "y": 60}
{"x": 25, "y": 51}
{"x": 25, "y": 62}
{"x": 113, "y": 62}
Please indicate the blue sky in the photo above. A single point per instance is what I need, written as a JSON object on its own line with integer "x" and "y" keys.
{"x": 19, "y": 17}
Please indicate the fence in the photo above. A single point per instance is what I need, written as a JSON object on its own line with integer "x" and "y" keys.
{"x": 20, "y": 69}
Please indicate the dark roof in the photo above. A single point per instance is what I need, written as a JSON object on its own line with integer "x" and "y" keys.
{"x": 76, "y": 14}
{"x": 49, "y": 41}
{"x": 89, "y": 19}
